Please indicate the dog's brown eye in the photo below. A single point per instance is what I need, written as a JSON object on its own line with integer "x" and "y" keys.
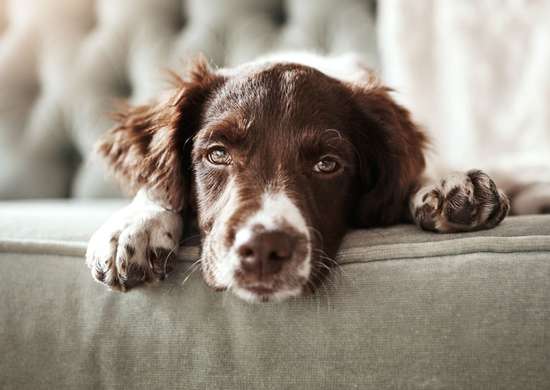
{"x": 326, "y": 165}
{"x": 219, "y": 156}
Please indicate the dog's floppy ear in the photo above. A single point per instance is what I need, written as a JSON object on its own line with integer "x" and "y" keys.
{"x": 147, "y": 147}
{"x": 391, "y": 155}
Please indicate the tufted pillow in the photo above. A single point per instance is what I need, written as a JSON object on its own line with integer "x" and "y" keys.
{"x": 64, "y": 63}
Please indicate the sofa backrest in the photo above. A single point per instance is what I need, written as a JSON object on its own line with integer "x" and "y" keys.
{"x": 64, "y": 63}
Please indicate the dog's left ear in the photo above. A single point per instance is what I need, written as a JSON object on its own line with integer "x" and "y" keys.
{"x": 390, "y": 150}
{"x": 150, "y": 145}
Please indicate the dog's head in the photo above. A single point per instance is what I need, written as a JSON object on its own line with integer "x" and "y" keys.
{"x": 278, "y": 161}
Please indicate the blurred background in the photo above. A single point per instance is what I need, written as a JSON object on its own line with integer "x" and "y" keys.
{"x": 474, "y": 73}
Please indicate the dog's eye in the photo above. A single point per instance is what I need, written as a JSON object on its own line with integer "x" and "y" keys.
{"x": 218, "y": 156}
{"x": 326, "y": 165}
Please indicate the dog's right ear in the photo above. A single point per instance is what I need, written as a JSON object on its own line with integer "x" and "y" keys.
{"x": 148, "y": 146}
{"x": 390, "y": 149}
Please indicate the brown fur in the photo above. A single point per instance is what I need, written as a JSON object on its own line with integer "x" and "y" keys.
{"x": 146, "y": 148}
{"x": 392, "y": 158}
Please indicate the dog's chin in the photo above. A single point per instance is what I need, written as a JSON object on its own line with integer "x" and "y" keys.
{"x": 226, "y": 275}
{"x": 259, "y": 293}
{"x": 253, "y": 292}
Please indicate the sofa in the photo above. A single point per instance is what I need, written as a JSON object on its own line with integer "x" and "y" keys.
{"x": 404, "y": 309}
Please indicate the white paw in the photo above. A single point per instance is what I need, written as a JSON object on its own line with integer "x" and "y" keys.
{"x": 460, "y": 202}
{"x": 137, "y": 244}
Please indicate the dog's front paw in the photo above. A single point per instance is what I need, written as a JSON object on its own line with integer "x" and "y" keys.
{"x": 134, "y": 246}
{"x": 460, "y": 202}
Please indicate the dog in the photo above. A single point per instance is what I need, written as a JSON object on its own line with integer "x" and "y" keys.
{"x": 276, "y": 160}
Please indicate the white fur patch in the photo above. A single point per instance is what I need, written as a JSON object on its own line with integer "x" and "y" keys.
{"x": 277, "y": 208}
{"x": 281, "y": 295}
{"x": 224, "y": 267}
{"x": 276, "y": 211}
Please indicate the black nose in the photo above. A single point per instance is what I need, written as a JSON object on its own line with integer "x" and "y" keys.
{"x": 265, "y": 253}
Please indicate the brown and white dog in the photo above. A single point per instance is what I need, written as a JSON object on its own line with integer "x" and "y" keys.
{"x": 276, "y": 159}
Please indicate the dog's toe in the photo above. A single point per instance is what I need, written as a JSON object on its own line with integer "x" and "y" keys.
{"x": 122, "y": 256}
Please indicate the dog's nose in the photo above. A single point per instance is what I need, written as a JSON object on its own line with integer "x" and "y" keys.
{"x": 265, "y": 253}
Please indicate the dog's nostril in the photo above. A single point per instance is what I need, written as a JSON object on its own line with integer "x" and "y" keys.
{"x": 245, "y": 251}
{"x": 280, "y": 254}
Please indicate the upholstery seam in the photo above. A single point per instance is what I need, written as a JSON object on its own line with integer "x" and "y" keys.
{"x": 354, "y": 262}
{"x": 78, "y": 249}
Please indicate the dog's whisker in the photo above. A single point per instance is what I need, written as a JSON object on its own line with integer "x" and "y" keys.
{"x": 317, "y": 233}
{"x": 226, "y": 293}
{"x": 190, "y": 238}
{"x": 333, "y": 265}
{"x": 192, "y": 268}
{"x": 314, "y": 295}
{"x": 339, "y": 271}
{"x": 166, "y": 259}
{"x": 326, "y": 294}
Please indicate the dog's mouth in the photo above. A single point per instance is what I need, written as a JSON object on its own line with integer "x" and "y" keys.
{"x": 266, "y": 293}
{"x": 260, "y": 290}
{"x": 258, "y": 293}
{"x": 226, "y": 273}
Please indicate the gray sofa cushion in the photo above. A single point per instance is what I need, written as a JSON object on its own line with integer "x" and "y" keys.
{"x": 407, "y": 309}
